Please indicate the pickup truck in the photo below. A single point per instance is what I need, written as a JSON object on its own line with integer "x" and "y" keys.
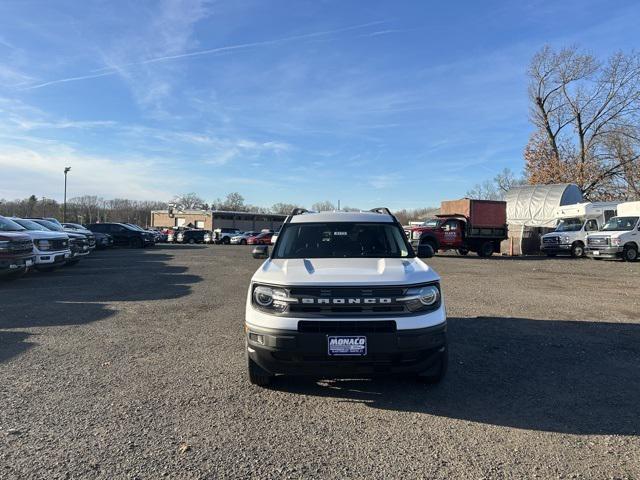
{"x": 343, "y": 294}
{"x": 464, "y": 225}
{"x": 16, "y": 250}
{"x": 51, "y": 249}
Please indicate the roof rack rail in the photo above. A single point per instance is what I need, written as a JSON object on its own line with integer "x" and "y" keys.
{"x": 383, "y": 210}
{"x": 295, "y": 211}
{"x": 386, "y": 211}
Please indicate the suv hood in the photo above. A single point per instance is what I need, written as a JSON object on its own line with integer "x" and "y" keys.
{"x": 345, "y": 271}
{"x": 42, "y": 235}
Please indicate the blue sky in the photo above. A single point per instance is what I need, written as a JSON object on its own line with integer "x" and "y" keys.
{"x": 400, "y": 104}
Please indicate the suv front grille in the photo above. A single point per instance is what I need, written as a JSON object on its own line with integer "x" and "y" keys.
{"x": 551, "y": 240}
{"x": 348, "y": 301}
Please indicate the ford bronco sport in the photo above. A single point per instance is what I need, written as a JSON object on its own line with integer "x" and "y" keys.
{"x": 344, "y": 294}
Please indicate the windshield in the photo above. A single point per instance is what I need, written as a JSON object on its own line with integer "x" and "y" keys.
{"x": 620, "y": 224}
{"x": 569, "y": 225}
{"x": 29, "y": 225}
{"x": 341, "y": 240}
{"x": 433, "y": 223}
{"x": 49, "y": 225}
{"x": 7, "y": 225}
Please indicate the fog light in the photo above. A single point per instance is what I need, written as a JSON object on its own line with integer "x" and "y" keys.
{"x": 254, "y": 337}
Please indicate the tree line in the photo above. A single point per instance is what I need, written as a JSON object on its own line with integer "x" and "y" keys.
{"x": 85, "y": 209}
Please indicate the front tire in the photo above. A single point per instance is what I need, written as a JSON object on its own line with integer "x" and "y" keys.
{"x": 577, "y": 250}
{"x": 439, "y": 371}
{"x": 630, "y": 253}
{"x": 462, "y": 251}
{"x": 243, "y": 242}
{"x": 257, "y": 375}
{"x": 486, "y": 249}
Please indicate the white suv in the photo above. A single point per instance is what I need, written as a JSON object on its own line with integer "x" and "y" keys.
{"x": 342, "y": 294}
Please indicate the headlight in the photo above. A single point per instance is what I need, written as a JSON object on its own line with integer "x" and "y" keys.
{"x": 615, "y": 242}
{"x": 415, "y": 235}
{"x": 565, "y": 239}
{"x": 43, "y": 245}
{"x": 422, "y": 298}
{"x": 270, "y": 299}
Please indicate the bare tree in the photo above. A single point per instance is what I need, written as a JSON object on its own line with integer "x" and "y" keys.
{"x": 583, "y": 109}
{"x": 325, "y": 206}
{"x": 283, "y": 208}
{"x": 188, "y": 201}
{"x": 497, "y": 188}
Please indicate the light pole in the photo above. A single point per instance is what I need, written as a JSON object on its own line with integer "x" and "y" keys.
{"x": 64, "y": 208}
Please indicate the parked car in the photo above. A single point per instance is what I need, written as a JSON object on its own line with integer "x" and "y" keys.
{"x": 224, "y": 235}
{"x": 465, "y": 226}
{"x": 263, "y": 238}
{"x": 343, "y": 294}
{"x": 51, "y": 249}
{"x": 124, "y": 235}
{"x": 103, "y": 240}
{"x": 620, "y": 236}
{"x": 194, "y": 236}
{"x": 157, "y": 237}
{"x": 241, "y": 239}
{"x": 78, "y": 242}
{"x": 90, "y": 236}
{"x": 576, "y": 222}
{"x": 274, "y": 237}
{"x": 16, "y": 250}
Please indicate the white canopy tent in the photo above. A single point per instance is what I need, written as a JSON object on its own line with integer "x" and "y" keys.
{"x": 531, "y": 212}
{"x": 536, "y": 205}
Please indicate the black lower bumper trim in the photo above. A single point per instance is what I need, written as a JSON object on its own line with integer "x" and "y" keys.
{"x": 297, "y": 353}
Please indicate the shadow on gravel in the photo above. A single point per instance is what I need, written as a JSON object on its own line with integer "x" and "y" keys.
{"x": 558, "y": 376}
{"x": 77, "y": 295}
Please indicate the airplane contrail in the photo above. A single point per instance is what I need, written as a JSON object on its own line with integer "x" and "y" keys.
{"x": 104, "y": 72}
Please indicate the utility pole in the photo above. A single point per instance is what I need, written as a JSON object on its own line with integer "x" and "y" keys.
{"x": 64, "y": 208}
{"x": 43, "y": 204}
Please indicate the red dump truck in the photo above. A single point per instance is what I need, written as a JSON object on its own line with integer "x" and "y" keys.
{"x": 464, "y": 225}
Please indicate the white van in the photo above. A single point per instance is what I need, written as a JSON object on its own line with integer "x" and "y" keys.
{"x": 575, "y": 223}
{"x": 620, "y": 236}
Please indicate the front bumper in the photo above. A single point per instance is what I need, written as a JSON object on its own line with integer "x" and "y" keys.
{"x": 52, "y": 258}
{"x": 291, "y": 352}
{"x": 604, "y": 252}
{"x": 16, "y": 264}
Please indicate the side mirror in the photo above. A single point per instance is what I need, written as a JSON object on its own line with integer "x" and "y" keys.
{"x": 425, "y": 251}
{"x": 260, "y": 251}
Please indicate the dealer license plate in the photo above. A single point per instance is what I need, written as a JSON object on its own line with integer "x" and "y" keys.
{"x": 347, "y": 345}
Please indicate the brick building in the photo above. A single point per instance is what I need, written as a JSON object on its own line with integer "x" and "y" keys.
{"x": 210, "y": 220}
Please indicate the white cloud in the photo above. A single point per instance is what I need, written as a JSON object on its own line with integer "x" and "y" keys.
{"x": 39, "y": 171}
{"x": 384, "y": 181}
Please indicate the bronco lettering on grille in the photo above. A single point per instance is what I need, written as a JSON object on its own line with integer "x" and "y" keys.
{"x": 345, "y": 301}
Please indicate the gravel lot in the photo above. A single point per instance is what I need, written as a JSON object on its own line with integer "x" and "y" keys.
{"x": 131, "y": 365}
